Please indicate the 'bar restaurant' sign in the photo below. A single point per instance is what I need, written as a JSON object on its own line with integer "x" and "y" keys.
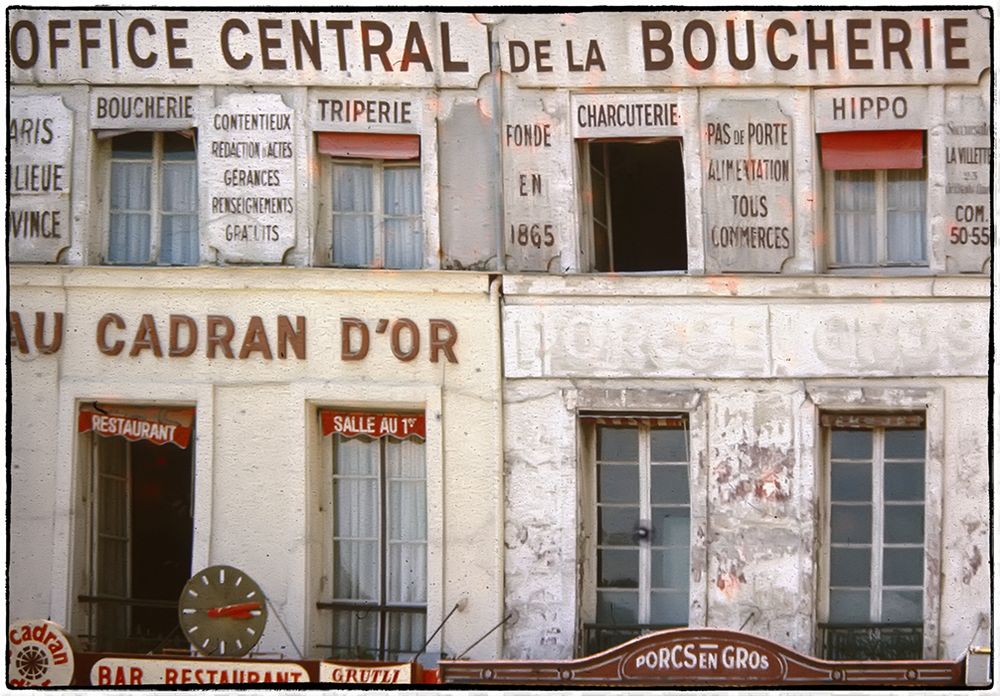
{"x": 702, "y": 657}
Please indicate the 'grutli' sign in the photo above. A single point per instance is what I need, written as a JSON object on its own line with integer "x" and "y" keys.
{"x": 702, "y": 657}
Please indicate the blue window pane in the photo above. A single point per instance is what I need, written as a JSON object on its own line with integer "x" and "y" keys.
{"x": 851, "y": 444}
{"x": 617, "y": 444}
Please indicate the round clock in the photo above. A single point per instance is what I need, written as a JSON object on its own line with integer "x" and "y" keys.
{"x": 222, "y": 612}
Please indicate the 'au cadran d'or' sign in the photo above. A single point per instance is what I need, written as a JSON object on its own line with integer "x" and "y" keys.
{"x": 702, "y": 656}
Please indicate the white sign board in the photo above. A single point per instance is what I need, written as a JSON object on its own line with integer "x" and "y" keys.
{"x": 143, "y": 108}
{"x": 871, "y": 109}
{"x": 968, "y": 210}
{"x": 247, "y": 164}
{"x": 362, "y": 111}
{"x": 136, "y": 671}
{"x": 40, "y": 141}
{"x": 373, "y": 675}
{"x": 749, "y": 209}
{"x": 38, "y": 654}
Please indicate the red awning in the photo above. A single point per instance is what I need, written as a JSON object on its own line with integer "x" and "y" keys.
{"x": 383, "y": 146}
{"x": 153, "y": 423}
{"x": 373, "y": 425}
{"x": 900, "y": 149}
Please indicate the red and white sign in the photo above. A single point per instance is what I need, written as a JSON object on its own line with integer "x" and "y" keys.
{"x": 132, "y": 671}
{"x": 38, "y": 654}
{"x": 374, "y": 425}
{"x": 364, "y": 674}
{"x": 157, "y": 425}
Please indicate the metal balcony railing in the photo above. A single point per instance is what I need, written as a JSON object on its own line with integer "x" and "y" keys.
{"x": 131, "y": 625}
{"x": 598, "y": 637}
{"x": 871, "y": 641}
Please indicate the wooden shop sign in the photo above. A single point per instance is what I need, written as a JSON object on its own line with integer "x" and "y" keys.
{"x": 702, "y": 657}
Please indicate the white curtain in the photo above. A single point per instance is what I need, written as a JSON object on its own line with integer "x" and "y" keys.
{"x": 353, "y": 215}
{"x": 855, "y": 221}
{"x": 131, "y": 217}
{"x": 404, "y": 239}
{"x": 906, "y": 218}
{"x": 179, "y": 213}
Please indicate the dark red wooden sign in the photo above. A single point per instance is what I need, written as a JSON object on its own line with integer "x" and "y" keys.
{"x": 702, "y": 657}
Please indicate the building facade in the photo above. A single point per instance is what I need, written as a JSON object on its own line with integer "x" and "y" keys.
{"x": 551, "y": 328}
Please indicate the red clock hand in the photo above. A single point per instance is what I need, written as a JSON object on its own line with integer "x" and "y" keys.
{"x": 233, "y": 611}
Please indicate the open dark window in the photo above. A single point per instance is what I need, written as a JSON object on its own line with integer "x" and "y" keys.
{"x": 139, "y": 529}
{"x": 636, "y": 205}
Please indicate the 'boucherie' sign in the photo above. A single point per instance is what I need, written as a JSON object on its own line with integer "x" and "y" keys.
{"x": 702, "y": 656}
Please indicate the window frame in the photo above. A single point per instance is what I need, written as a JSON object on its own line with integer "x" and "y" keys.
{"x": 882, "y": 262}
{"x": 326, "y": 602}
{"x": 156, "y": 212}
{"x": 589, "y": 513}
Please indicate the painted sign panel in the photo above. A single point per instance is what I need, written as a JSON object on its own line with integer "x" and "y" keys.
{"x": 363, "y": 111}
{"x": 40, "y": 142}
{"x": 365, "y": 674}
{"x": 135, "y": 671}
{"x": 701, "y": 656}
{"x": 747, "y": 165}
{"x": 248, "y": 168}
{"x": 155, "y": 424}
{"x": 631, "y": 115}
{"x": 38, "y": 654}
{"x": 743, "y": 49}
{"x": 536, "y": 150}
{"x": 968, "y": 208}
{"x": 373, "y": 425}
{"x": 225, "y": 48}
{"x": 871, "y": 109}
{"x": 143, "y": 108}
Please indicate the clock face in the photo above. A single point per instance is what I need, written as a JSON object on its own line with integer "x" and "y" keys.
{"x": 222, "y": 612}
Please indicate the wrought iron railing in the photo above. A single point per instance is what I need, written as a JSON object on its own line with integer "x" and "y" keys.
{"x": 371, "y": 652}
{"x": 131, "y": 625}
{"x": 598, "y": 637}
{"x": 871, "y": 641}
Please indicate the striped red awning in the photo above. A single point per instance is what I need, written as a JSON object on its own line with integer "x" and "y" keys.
{"x": 383, "y": 146}
{"x": 155, "y": 424}
{"x": 373, "y": 425}
{"x": 653, "y": 421}
{"x": 898, "y": 149}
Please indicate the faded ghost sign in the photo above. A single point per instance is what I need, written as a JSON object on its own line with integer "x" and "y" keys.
{"x": 747, "y": 150}
{"x": 40, "y": 144}
{"x": 249, "y": 175}
{"x": 968, "y": 209}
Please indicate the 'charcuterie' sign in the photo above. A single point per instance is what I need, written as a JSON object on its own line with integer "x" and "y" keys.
{"x": 374, "y": 425}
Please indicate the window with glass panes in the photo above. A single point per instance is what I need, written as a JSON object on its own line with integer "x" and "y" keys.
{"x": 643, "y": 522}
{"x": 379, "y": 548}
{"x": 876, "y": 522}
{"x": 877, "y": 193}
{"x": 153, "y": 193}
{"x": 376, "y": 199}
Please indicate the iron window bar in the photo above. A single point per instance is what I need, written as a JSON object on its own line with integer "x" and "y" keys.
{"x": 871, "y": 641}
{"x": 601, "y": 636}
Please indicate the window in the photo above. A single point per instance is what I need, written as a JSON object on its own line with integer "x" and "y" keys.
{"x": 634, "y": 202}
{"x": 877, "y": 184}
{"x": 643, "y": 527}
{"x": 154, "y": 199}
{"x": 378, "y": 535}
{"x": 875, "y": 508}
{"x": 376, "y": 200}
{"x": 139, "y": 526}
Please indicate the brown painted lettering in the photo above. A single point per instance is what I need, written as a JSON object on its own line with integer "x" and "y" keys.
{"x": 146, "y": 337}
{"x": 734, "y": 60}
{"x": 56, "y": 43}
{"x": 213, "y": 339}
{"x": 899, "y": 47}
{"x": 813, "y": 44}
{"x": 175, "y": 43}
{"x": 267, "y": 43}
{"x": 689, "y": 30}
{"x": 15, "y": 333}
{"x": 296, "y": 338}
{"x": 87, "y": 43}
{"x": 227, "y": 28}
{"x": 310, "y": 44}
{"x": 952, "y": 42}
{"x": 662, "y": 45}
{"x": 446, "y": 342}
{"x": 449, "y": 64}
{"x": 339, "y": 26}
{"x": 347, "y": 325}
{"x": 140, "y": 62}
{"x": 856, "y": 44}
{"x": 15, "y": 53}
{"x": 57, "y": 333}
{"x": 772, "y": 54}
{"x": 255, "y": 339}
{"x": 414, "y": 49}
{"x": 102, "y": 327}
{"x": 368, "y": 49}
{"x": 175, "y": 349}
{"x": 396, "y": 344}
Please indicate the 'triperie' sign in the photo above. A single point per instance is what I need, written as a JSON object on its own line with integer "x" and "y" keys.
{"x": 587, "y": 49}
